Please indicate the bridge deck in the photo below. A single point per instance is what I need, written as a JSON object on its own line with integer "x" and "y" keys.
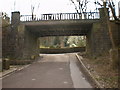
{"x": 60, "y": 27}
{"x": 60, "y": 24}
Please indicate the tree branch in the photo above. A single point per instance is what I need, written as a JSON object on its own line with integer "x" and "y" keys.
{"x": 75, "y": 6}
{"x": 111, "y": 5}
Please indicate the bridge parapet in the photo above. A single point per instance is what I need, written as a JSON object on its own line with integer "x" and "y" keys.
{"x": 61, "y": 16}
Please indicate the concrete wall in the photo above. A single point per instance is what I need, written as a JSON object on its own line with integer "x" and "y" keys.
{"x": 115, "y": 51}
{"x": 30, "y": 45}
{"x": 115, "y": 26}
{"x": 15, "y": 21}
{"x": 20, "y": 40}
{"x": 98, "y": 40}
{"x": 25, "y": 43}
{"x": 8, "y": 40}
{"x": 5, "y": 44}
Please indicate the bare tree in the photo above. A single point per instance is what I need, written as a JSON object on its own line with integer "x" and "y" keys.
{"x": 4, "y": 15}
{"x": 109, "y": 4}
{"x": 32, "y": 10}
{"x": 81, "y": 8}
{"x": 112, "y": 7}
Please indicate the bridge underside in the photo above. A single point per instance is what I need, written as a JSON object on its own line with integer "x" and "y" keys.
{"x": 60, "y": 28}
{"x": 33, "y": 30}
{"x": 96, "y": 34}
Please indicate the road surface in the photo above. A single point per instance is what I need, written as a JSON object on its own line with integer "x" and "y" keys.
{"x": 52, "y": 71}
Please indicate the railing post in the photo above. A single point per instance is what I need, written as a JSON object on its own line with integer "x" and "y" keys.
{"x": 56, "y": 17}
{"x": 74, "y": 15}
{"x": 93, "y": 15}
{"x": 46, "y": 17}
{"x": 68, "y": 16}
{"x": 60, "y": 16}
{"x": 88, "y": 15}
{"x": 85, "y": 15}
{"x": 53, "y": 16}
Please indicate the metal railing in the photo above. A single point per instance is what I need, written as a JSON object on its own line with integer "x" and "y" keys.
{"x": 61, "y": 16}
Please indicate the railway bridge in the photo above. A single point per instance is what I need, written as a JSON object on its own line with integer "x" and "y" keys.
{"x": 29, "y": 28}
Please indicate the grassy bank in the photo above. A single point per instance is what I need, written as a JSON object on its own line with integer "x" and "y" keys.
{"x": 102, "y": 70}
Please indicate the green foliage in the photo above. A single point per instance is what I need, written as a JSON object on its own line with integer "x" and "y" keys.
{"x": 77, "y": 41}
{"x": 57, "y": 41}
{"x": 64, "y": 41}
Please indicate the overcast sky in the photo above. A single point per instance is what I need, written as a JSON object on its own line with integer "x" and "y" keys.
{"x": 41, "y": 6}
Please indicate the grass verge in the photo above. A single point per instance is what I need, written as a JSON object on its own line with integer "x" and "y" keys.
{"x": 101, "y": 68}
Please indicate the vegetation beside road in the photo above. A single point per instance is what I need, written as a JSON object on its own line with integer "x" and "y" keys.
{"x": 102, "y": 69}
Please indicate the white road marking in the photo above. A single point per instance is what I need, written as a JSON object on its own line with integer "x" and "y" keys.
{"x": 65, "y": 82}
{"x": 33, "y": 79}
{"x": 60, "y": 68}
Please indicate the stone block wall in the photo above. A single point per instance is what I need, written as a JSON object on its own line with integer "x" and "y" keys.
{"x": 26, "y": 42}
{"x": 115, "y": 51}
{"x": 98, "y": 40}
{"x": 115, "y": 26}
{"x": 31, "y": 46}
{"x": 9, "y": 43}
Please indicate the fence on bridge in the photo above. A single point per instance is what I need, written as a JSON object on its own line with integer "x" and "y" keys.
{"x": 61, "y": 16}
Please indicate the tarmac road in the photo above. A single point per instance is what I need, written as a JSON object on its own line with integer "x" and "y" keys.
{"x": 51, "y": 71}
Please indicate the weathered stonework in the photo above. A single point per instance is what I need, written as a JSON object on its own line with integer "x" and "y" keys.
{"x": 98, "y": 39}
{"x": 27, "y": 34}
{"x": 28, "y": 45}
{"x": 15, "y": 21}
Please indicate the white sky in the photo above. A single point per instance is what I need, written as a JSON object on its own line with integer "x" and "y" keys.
{"x": 41, "y": 6}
